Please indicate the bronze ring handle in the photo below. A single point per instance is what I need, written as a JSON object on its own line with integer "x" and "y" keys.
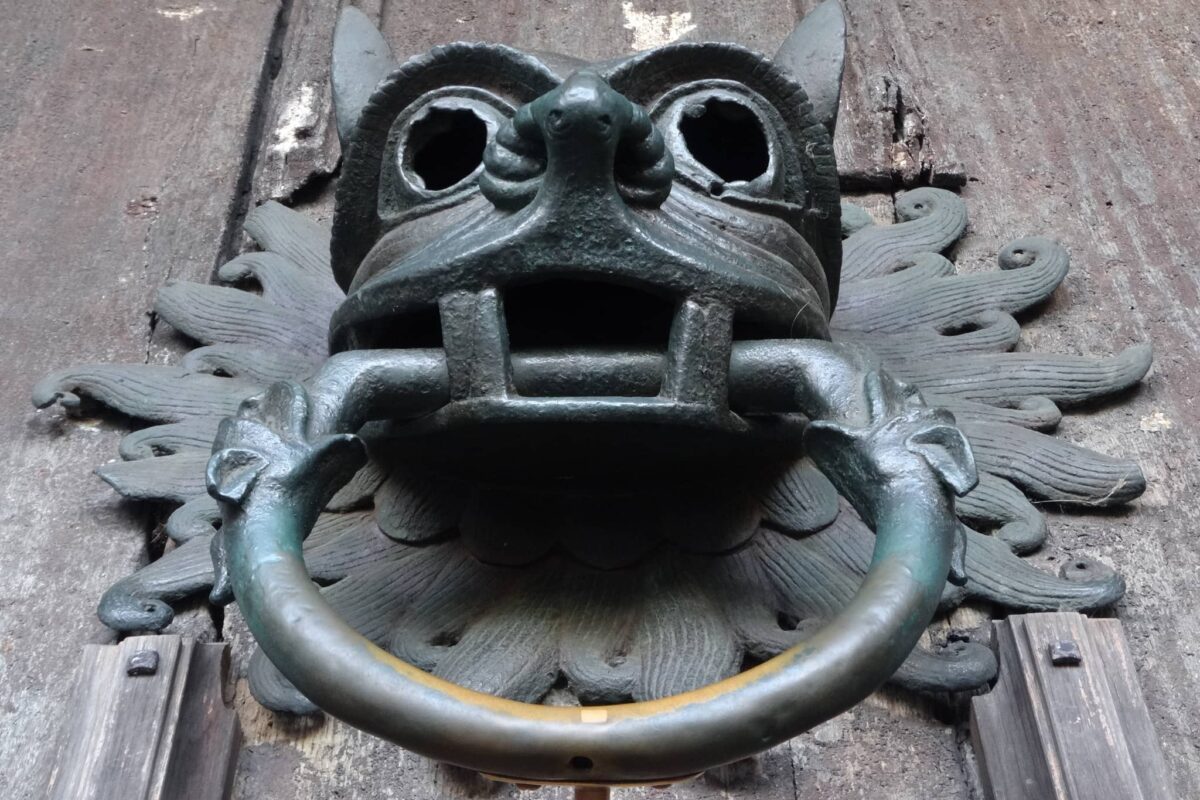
{"x": 268, "y": 512}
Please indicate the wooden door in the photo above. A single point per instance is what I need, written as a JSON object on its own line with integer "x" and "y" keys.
{"x": 134, "y": 136}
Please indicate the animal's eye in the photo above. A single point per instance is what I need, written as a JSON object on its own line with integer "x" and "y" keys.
{"x": 435, "y": 148}
{"x": 727, "y": 138}
{"x": 723, "y": 139}
{"x": 444, "y": 147}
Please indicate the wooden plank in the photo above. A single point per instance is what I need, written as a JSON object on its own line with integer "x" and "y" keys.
{"x": 1067, "y": 718}
{"x": 610, "y": 28}
{"x": 150, "y": 721}
{"x": 122, "y": 134}
{"x": 300, "y": 144}
{"x": 866, "y": 128}
{"x": 208, "y": 736}
{"x": 885, "y": 137}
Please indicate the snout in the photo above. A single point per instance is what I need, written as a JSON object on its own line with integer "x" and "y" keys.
{"x": 582, "y": 145}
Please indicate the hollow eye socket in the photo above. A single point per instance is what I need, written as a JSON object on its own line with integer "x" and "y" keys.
{"x": 444, "y": 147}
{"x": 727, "y": 138}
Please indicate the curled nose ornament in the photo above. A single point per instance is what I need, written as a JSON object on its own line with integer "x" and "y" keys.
{"x": 583, "y": 142}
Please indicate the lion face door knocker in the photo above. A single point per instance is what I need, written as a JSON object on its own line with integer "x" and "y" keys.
{"x": 564, "y": 402}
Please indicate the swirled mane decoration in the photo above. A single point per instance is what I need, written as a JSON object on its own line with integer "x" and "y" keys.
{"x": 597, "y": 384}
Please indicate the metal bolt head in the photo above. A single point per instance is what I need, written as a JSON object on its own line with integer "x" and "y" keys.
{"x": 1065, "y": 654}
{"x": 143, "y": 662}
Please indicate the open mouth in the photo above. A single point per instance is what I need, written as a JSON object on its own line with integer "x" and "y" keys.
{"x": 564, "y": 316}
{"x": 541, "y": 372}
{"x": 587, "y": 328}
{"x": 555, "y": 318}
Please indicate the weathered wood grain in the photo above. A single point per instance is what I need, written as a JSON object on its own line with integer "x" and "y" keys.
{"x": 160, "y": 731}
{"x": 609, "y": 28}
{"x": 1077, "y": 121}
{"x": 1066, "y": 727}
{"x": 886, "y": 138}
{"x": 122, "y": 135}
{"x": 207, "y": 736}
{"x": 300, "y": 142}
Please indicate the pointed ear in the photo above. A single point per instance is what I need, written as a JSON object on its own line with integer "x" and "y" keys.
{"x": 232, "y": 473}
{"x": 947, "y": 452}
{"x": 361, "y": 59}
{"x": 814, "y": 55}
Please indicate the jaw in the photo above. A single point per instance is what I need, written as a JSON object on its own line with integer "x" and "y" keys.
{"x": 571, "y": 443}
{"x": 635, "y": 323}
{"x": 595, "y": 417}
{"x": 521, "y": 403}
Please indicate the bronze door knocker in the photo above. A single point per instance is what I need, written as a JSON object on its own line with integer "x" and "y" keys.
{"x": 597, "y": 384}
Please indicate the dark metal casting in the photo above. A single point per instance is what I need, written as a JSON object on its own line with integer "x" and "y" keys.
{"x": 1065, "y": 654}
{"x": 143, "y": 662}
{"x": 577, "y": 383}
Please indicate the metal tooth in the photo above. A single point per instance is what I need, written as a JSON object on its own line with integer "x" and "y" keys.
{"x": 698, "y": 354}
{"x": 475, "y": 337}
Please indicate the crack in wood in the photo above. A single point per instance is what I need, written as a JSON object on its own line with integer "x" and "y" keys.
{"x": 299, "y": 148}
{"x": 241, "y": 201}
{"x": 884, "y": 140}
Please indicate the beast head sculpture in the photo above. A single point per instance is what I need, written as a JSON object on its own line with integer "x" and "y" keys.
{"x": 597, "y": 384}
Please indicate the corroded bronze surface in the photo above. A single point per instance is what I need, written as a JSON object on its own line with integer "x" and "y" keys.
{"x": 598, "y": 386}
